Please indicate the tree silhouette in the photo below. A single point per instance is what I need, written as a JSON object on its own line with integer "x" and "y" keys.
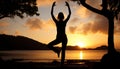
{"x": 110, "y": 9}
{"x": 11, "y": 8}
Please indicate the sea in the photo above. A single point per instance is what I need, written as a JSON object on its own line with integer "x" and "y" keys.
{"x": 49, "y": 55}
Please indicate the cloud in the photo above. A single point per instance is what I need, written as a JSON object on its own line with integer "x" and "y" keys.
{"x": 95, "y": 3}
{"x": 17, "y": 32}
{"x": 117, "y": 27}
{"x": 34, "y": 24}
{"x": 3, "y": 31}
{"x": 74, "y": 20}
{"x": 100, "y": 25}
{"x": 47, "y": 2}
{"x": 50, "y": 23}
{"x": 85, "y": 28}
{"x": 82, "y": 12}
{"x": 3, "y": 24}
{"x": 44, "y": 2}
{"x": 72, "y": 29}
{"x": 37, "y": 24}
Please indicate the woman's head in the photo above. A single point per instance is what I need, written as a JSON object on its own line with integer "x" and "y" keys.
{"x": 60, "y": 16}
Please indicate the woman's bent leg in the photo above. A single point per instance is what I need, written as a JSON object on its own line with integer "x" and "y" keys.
{"x": 51, "y": 46}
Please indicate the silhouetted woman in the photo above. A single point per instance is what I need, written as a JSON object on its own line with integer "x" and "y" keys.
{"x": 61, "y": 35}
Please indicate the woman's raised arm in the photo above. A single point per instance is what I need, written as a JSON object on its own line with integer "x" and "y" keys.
{"x": 68, "y": 17}
{"x": 53, "y": 17}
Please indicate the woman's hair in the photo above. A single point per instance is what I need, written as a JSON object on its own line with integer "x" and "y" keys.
{"x": 60, "y": 16}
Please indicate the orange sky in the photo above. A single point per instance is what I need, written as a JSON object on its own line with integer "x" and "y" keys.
{"x": 84, "y": 27}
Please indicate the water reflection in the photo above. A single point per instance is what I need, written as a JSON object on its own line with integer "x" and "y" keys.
{"x": 48, "y": 54}
{"x": 81, "y": 55}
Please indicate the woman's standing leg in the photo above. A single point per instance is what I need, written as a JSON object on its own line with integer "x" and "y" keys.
{"x": 64, "y": 44}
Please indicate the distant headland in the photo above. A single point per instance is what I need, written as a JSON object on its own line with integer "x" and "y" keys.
{"x": 10, "y": 42}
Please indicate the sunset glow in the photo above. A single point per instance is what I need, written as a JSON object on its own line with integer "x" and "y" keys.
{"x": 81, "y": 44}
{"x": 84, "y": 28}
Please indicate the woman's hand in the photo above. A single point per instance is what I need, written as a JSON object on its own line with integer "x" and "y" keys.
{"x": 54, "y": 4}
{"x": 67, "y": 3}
{"x": 82, "y": 1}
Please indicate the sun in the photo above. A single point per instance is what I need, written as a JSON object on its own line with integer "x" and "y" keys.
{"x": 81, "y": 44}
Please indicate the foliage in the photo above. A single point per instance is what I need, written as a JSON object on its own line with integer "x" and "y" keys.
{"x": 11, "y": 8}
{"x": 114, "y": 6}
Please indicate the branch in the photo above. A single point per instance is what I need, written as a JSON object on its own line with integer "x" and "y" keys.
{"x": 91, "y": 8}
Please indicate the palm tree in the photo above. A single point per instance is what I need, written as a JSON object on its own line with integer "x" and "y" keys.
{"x": 110, "y": 9}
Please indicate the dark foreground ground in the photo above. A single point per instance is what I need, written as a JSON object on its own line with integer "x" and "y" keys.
{"x": 108, "y": 61}
{"x": 70, "y": 64}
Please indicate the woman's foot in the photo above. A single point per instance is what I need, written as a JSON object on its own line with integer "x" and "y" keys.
{"x": 58, "y": 52}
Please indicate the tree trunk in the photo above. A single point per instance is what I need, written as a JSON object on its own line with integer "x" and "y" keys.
{"x": 111, "y": 48}
{"x": 110, "y": 16}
